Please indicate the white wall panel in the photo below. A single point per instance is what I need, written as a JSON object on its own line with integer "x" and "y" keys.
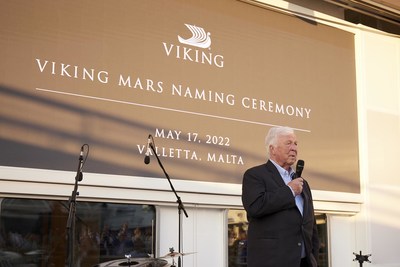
{"x": 204, "y": 232}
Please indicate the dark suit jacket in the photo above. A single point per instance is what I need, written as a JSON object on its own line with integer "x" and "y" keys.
{"x": 276, "y": 227}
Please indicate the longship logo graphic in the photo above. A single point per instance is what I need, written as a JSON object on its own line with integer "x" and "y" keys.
{"x": 196, "y": 48}
{"x": 199, "y": 37}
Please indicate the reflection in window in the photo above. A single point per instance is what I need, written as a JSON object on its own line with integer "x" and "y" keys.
{"x": 323, "y": 240}
{"x": 237, "y": 234}
{"x": 33, "y": 232}
{"x": 237, "y": 239}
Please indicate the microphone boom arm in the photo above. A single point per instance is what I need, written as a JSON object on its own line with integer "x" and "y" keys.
{"x": 178, "y": 200}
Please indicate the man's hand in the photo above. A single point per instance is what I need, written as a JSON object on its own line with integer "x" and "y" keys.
{"x": 296, "y": 185}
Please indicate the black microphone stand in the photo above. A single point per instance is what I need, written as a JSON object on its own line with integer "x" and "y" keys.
{"x": 180, "y": 204}
{"x": 362, "y": 258}
{"x": 72, "y": 213}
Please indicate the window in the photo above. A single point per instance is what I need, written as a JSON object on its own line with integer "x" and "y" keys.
{"x": 237, "y": 239}
{"x": 33, "y": 232}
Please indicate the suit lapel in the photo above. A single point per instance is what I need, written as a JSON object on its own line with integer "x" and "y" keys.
{"x": 275, "y": 173}
{"x": 306, "y": 199}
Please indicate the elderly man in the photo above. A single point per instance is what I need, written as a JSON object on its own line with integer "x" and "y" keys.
{"x": 282, "y": 229}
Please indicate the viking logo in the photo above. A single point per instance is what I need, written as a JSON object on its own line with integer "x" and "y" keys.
{"x": 193, "y": 48}
{"x": 199, "y": 37}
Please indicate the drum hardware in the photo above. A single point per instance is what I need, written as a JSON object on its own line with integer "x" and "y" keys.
{"x": 172, "y": 254}
{"x": 145, "y": 262}
{"x": 128, "y": 256}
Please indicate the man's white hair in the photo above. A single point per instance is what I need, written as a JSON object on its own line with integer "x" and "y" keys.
{"x": 272, "y": 137}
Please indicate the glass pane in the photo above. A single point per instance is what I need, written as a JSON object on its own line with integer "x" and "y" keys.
{"x": 323, "y": 240}
{"x": 237, "y": 235}
{"x": 33, "y": 233}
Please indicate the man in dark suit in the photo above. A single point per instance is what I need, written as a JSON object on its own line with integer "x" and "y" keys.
{"x": 282, "y": 229}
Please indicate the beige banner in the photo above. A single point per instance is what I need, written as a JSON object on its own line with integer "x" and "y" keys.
{"x": 206, "y": 79}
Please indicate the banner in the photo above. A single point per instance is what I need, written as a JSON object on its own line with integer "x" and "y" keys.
{"x": 207, "y": 79}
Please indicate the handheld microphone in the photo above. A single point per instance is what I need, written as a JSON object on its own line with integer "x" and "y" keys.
{"x": 147, "y": 157}
{"x": 299, "y": 168}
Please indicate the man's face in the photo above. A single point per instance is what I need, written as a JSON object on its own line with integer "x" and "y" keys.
{"x": 285, "y": 153}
